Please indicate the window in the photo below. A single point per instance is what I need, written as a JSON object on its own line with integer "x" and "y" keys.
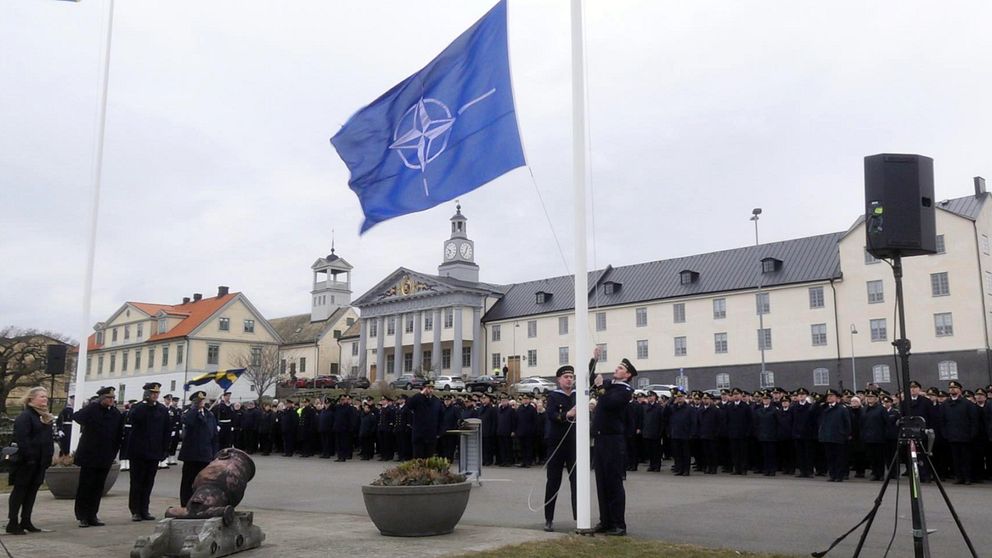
{"x": 89, "y": 365}
{"x": 496, "y": 332}
{"x": 723, "y": 380}
{"x": 391, "y": 325}
{"x": 213, "y": 354}
{"x": 765, "y": 339}
{"x": 939, "y": 285}
{"x": 179, "y": 354}
{"x": 719, "y": 308}
{"x": 354, "y": 370}
{"x": 985, "y": 244}
{"x": 408, "y": 325}
{"x": 408, "y": 362}
{"x": 688, "y": 277}
{"x": 99, "y": 338}
{"x": 562, "y": 356}
{"x": 642, "y": 348}
{"x": 429, "y": 321}
{"x": 337, "y": 334}
{"x": 113, "y": 362}
{"x": 113, "y": 336}
{"x": 466, "y": 356}
{"x": 163, "y": 325}
{"x": 762, "y": 303}
{"x": 947, "y": 370}
{"x": 816, "y": 297}
{"x": 334, "y": 368}
{"x": 600, "y": 321}
{"x": 876, "y": 294}
{"x": 445, "y": 359}
{"x": 563, "y": 325}
{"x": 137, "y": 359}
{"x": 611, "y": 287}
{"x": 819, "y": 334}
{"x": 767, "y": 379}
{"x": 943, "y": 324}
{"x": 124, "y": 361}
{"x": 767, "y": 265}
{"x": 821, "y": 377}
{"x": 427, "y": 359}
{"x": 390, "y": 364}
{"x": 354, "y": 349}
{"x": 602, "y": 352}
{"x": 120, "y": 392}
{"x": 256, "y": 356}
{"x": 127, "y": 332}
{"x": 225, "y": 324}
{"x": 542, "y": 297}
{"x": 532, "y": 328}
{"x": 497, "y": 360}
{"x": 869, "y": 259}
{"x": 641, "y": 317}
{"x": 151, "y": 357}
{"x": 531, "y": 357}
{"x": 940, "y": 244}
{"x": 374, "y": 328}
{"x": 349, "y": 321}
{"x": 449, "y": 317}
{"x": 720, "y": 343}
{"x": 678, "y": 313}
{"x": 165, "y": 356}
{"x": 878, "y": 330}
{"x": 172, "y": 385}
{"x": 680, "y": 349}
{"x": 303, "y": 364}
{"x": 99, "y": 365}
{"x": 141, "y": 330}
{"x": 249, "y": 326}
{"x": 880, "y": 374}
{"x": 282, "y": 366}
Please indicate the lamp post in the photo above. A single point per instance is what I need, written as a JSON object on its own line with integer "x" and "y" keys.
{"x": 760, "y": 306}
{"x": 854, "y": 371}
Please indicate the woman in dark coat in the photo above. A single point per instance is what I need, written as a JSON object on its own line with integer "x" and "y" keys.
{"x": 33, "y": 434}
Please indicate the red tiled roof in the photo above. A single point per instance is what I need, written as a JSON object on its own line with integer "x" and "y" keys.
{"x": 195, "y": 312}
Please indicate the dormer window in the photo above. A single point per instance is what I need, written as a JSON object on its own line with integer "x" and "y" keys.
{"x": 770, "y": 265}
{"x": 688, "y": 277}
{"x": 542, "y": 297}
{"x": 611, "y": 287}
{"x": 163, "y": 325}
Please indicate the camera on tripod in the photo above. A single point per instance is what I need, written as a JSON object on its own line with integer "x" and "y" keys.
{"x": 915, "y": 428}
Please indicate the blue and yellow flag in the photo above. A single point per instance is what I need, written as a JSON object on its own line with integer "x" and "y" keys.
{"x": 224, "y": 378}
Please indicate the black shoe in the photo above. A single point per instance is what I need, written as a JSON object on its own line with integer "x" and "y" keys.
{"x": 135, "y": 517}
{"x": 549, "y": 527}
{"x": 30, "y": 528}
{"x": 600, "y": 528}
{"x": 13, "y": 529}
{"x": 83, "y": 524}
{"x": 147, "y": 517}
{"x": 95, "y": 522}
{"x": 616, "y": 532}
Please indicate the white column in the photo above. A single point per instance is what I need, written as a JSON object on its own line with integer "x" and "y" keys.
{"x": 363, "y": 339}
{"x": 380, "y": 348}
{"x": 418, "y": 327}
{"x": 398, "y": 346}
{"x": 456, "y": 348}
{"x": 436, "y": 349}
{"x": 476, "y": 341}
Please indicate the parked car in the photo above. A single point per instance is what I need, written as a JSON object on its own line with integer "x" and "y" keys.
{"x": 408, "y": 381}
{"x": 354, "y": 383}
{"x": 487, "y": 384}
{"x": 449, "y": 382}
{"x": 329, "y": 381}
{"x": 662, "y": 390}
{"x": 534, "y": 385}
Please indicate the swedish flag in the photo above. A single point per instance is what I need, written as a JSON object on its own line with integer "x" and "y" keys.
{"x": 224, "y": 378}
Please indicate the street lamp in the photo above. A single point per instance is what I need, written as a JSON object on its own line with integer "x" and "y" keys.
{"x": 854, "y": 371}
{"x": 761, "y": 310}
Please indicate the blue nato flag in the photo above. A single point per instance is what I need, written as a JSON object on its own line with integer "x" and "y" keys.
{"x": 444, "y": 131}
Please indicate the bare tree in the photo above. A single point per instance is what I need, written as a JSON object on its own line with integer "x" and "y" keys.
{"x": 22, "y": 358}
{"x": 261, "y": 366}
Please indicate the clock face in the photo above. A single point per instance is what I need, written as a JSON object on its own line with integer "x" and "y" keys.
{"x": 450, "y": 251}
{"x": 466, "y": 251}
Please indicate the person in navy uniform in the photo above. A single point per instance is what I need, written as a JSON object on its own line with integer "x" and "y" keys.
{"x": 346, "y": 423}
{"x": 506, "y": 423}
{"x": 738, "y": 416}
{"x": 63, "y": 427}
{"x": 102, "y": 428}
{"x": 874, "y": 422}
{"x": 766, "y": 428}
{"x": 560, "y": 442}
{"x": 785, "y": 454}
{"x": 384, "y": 429}
{"x": 401, "y": 429}
{"x": 919, "y": 406}
{"x": 366, "y": 430}
{"x": 176, "y": 425}
{"x": 681, "y": 429}
{"x": 200, "y": 443}
{"x": 651, "y": 433}
{"x": 834, "y": 433}
{"x": 525, "y": 429}
{"x": 959, "y": 422}
{"x": 151, "y": 432}
{"x": 632, "y": 431}
{"x": 487, "y": 414}
{"x": 289, "y": 423}
{"x": 427, "y": 413}
{"x": 451, "y": 415}
{"x": 608, "y": 424}
{"x": 710, "y": 423}
{"x": 225, "y": 419}
{"x": 325, "y": 428}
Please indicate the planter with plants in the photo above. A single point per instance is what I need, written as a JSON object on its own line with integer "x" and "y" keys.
{"x": 62, "y": 477}
{"x": 417, "y": 498}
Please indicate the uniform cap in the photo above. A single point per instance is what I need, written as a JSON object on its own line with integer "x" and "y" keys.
{"x": 567, "y": 369}
{"x": 630, "y": 367}
{"x": 953, "y": 384}
{"x": 153, "y": 387}
{"x": 833, "y": 392}
{"x": 198, "y": 395}
{"x": 914, "y": 383}
{"x": 105, "y": 390}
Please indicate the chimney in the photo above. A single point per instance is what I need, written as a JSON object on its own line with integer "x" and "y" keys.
{"x": 185, "y": 300}
{"x": 979, "y": 186}
{"x": 197, "y": 297}
{"x": 222, "y": 291}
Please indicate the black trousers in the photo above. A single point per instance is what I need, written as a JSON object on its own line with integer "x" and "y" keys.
{"x": 681, "y": 455}
{"x": 489, "y": 450}
{"x": 250, "y": 441}
{"x": 89, "y": 492}
{"x": 190, "y": 470}
{"x": 345, "y": 445}
{"x": 449, "y": 442}
{"x": 610, "y": 461}
{"x": 835, "y": 460}
{"x": 558, "y": 460}
{"x": 505, "y": 450}
{"x": 786, "y": 461}
{"x": 289, "y": 442}
{"x": 632, "y": 446}
{"x": 769, "y": 457}
{"x": 875, "y": 456}
{"x": 142, "y": 480}
{"x": 711, "y": 453}
{"x": 386, "y": 450}
{"x": 527, "y": 450}
{"x": 404, "y": 445}
{"x": 653, "y": 449}
{"x": 27, "y": 479}
{"x": 327, "y": 448}
{"x": 225, "y": 437}
{"x": 804, "y": 456}
{"x": 424, "y": 448}
{"x": 265, "y": 443}
{"x": 367, "y": 445}
{"x": 961, "y": 458}
{"x": 738, "y": 455}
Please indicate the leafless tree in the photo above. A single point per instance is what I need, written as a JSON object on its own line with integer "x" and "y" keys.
{"x": 22, "y": 358}
{"x": 261, "y": 366}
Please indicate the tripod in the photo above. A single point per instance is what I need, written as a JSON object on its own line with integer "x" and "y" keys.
{"x": 911, "y": 434}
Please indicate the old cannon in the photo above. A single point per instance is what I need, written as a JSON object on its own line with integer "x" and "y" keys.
{"x": 208, "y": 526}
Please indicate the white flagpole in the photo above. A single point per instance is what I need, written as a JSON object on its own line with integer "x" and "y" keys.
{"x": 101, "y": 122}
{"x": 581, "y": 280}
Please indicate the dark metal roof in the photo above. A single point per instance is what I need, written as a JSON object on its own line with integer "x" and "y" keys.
{"x": 299, "y": 329}
{"x": 968, "y": 207}
{"x": 814, "y": 258}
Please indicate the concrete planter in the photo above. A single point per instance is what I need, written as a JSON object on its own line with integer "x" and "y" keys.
{"x": 63, "y": 481}
{"x": 416, "y": 511}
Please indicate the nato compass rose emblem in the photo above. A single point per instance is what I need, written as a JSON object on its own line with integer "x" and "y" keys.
{"x": 422, "y": 133}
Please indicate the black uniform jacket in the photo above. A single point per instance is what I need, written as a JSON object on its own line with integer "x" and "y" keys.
{"x": 102, "y": 431}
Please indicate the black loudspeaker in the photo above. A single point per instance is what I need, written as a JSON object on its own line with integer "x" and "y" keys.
{"x": 56, "y": 360}
{"x": 900, "y": 217}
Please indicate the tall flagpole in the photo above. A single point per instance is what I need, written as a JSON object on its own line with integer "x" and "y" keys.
{"x": 101, "y": 122}
{"x": 581, "y": 279}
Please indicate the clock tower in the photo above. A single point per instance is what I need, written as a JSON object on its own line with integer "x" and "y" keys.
{"x": 458, "y": 257}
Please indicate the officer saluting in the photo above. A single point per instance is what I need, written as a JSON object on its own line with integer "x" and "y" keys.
{"x": 200, "y": 443}
{"x": 102, "y": 429}
{"x": 608, "y": 429}
{"x": 560, "y": 442}
{"x": 151, "y": 432}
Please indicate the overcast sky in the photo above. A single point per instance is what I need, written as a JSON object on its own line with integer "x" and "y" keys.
{"x": 218, "y": 169}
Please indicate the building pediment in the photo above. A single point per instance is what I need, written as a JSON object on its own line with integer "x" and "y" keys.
{"x": 403, "y": 284}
